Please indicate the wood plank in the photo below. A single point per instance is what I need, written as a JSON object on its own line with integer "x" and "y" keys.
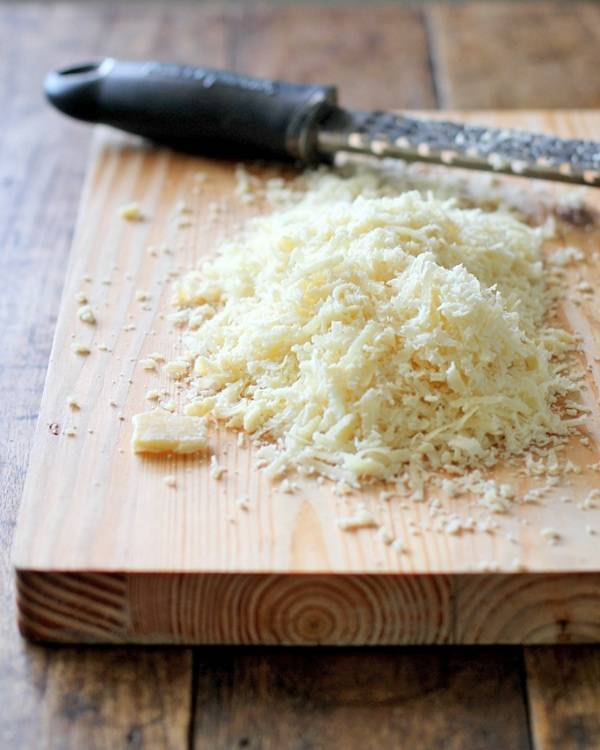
{"x": 378, "y": 57}
{"x": 563, "y": 686}
{"x": 516, "y": 55}
{"x": 110, "y": 511}
{"x": 42, "y": 163}
{"x": 429, "y": 698}
{"x": 116, "y": 698}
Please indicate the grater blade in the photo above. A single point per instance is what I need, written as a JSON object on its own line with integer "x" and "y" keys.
{"x": 516, "y": 152}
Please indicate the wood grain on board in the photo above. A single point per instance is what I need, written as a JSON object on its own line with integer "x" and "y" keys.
{"x": 282, "y": 570}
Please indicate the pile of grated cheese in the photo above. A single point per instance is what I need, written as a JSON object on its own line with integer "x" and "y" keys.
{"x": 362, "y": 334}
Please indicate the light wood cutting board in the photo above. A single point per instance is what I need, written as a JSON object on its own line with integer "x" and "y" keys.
{"x": 106, "y": 551}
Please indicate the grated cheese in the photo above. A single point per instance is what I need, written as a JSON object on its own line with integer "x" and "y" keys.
{"x": 364, "y": 335}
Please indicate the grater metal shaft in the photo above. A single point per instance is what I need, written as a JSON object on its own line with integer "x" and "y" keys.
{"x": 515, "y": 152}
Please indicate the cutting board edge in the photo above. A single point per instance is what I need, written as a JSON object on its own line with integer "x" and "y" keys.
{"x": 308, "y": 609}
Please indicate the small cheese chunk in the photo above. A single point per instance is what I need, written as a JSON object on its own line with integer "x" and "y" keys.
{"x": 160, "y": 432}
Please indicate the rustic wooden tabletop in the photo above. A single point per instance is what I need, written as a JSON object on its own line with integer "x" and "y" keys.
{"x": 481, "y": 55}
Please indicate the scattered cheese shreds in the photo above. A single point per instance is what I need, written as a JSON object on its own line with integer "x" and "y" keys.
{"x": 367, "y": 335}
{"x": 159, "y": 432}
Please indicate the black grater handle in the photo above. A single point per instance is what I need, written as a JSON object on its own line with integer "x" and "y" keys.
{"x": 195, "y": 109}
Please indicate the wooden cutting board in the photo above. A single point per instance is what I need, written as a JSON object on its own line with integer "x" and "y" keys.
{"x": 106, "y": 551}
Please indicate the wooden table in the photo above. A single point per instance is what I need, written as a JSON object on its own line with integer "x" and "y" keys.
{"x": 483, "y": 55}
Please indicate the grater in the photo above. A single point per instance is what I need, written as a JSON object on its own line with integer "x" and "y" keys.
{"x": 226, "y": 114}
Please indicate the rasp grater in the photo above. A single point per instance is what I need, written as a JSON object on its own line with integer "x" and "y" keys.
{"x": 227, "y": 114}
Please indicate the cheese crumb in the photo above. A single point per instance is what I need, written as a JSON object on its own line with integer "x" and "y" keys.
{"x": 81, "y": 349}
{"x": 216, "y": 470}
{"x": 86, "y": 314}
{"x": 398, "y": 546}
{"x": 590, "y": 499}
{"x": 550, "y": 534}
{"x": 361, "y": 519}
{"x": 157, "y": 432}
{"x": 148, "y": 364}
{"x": 131, "y": 212}
{"x": 177, "y": 368}
{"x": 454, "y": 526}
{"x": 73, "y": 403}
{"x": 170, "y": 480}
{"x": 243, "y": 503}
{"x": 385, "y": 535}
{"x": 564, "y": 256}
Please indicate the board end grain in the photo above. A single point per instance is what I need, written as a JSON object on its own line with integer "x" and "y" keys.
{"x": 308, "y": 610}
